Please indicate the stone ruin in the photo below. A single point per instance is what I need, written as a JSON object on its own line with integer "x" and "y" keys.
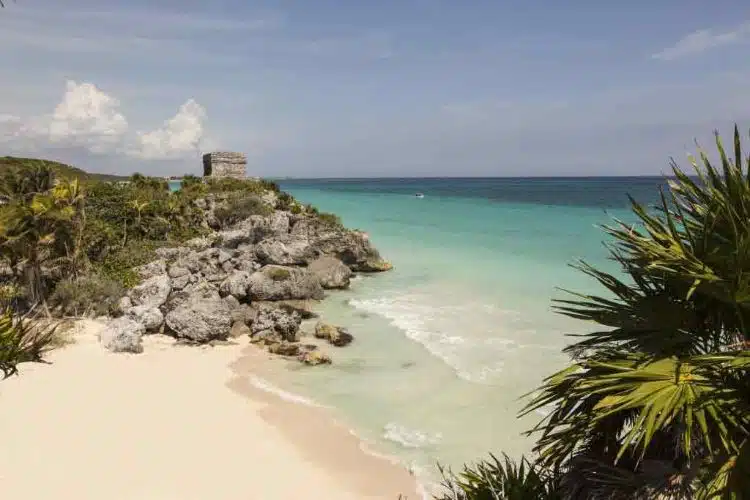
{"x": 223, "y": 164}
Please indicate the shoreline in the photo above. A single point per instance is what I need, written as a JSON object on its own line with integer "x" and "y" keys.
{"x": 94, "y": 424}
{"x": 313, "y": 427}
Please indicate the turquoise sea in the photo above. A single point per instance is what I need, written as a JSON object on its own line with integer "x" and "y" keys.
{"x": 448, "y": 342}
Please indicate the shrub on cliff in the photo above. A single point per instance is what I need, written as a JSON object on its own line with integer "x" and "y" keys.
{"x": 239, "y": 207}
{"x": 656, "y": 403}
{"x": 92, "y": 295}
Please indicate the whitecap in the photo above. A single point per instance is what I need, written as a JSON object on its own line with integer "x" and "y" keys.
{"x": 478, "y": 360}
{"x": 409, "y": 438}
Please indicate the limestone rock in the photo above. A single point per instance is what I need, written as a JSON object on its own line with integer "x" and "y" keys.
{"x": 243, "y": 314}
{"x": 181, "y": 282}
{"x": 201, "y": 316}
{"x": 272, "y": 251}
{"x": 153, "y": 292}
{"x": 236, "y": 284}
{"x": 284, "y": 349}
{"x": 335, "y": 335}
{"x": 231, "y": 302}
{"x": 123, "y": 334}
{"x": 176, "y": 271}
{"x": 239, "y": 329}
{"x": 279, "y": 223}
{"x": 155, "y": 268}
{"x": 124, "y": 304}
{"x": 331, "y": 272}
{"x": 315, "y": 357}
{"x": 150, "y": 317}
{"x": 275, "y": 325}
{"x": 282, "y": 283}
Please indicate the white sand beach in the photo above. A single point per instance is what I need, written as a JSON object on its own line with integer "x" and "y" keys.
{"x": 171, "y": 424}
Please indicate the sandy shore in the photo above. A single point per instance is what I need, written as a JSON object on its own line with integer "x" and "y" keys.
{"x": 173, "y": 423}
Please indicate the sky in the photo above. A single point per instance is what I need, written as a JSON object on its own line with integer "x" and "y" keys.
{"x": 373, "y": 88}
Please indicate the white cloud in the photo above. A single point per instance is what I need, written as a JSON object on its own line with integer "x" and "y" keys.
{"x": 703, "y": 40}
{"x": 90, "y": 119}
{"x": 179, "y": 136}
{"x": 86, "y": 117}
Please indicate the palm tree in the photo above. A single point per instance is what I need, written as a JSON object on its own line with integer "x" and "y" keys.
{"x": 657, "y": 403}
{"x": 37, "y": 228}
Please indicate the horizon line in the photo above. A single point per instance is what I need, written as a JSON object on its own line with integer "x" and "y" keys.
{"x": 646, "y": 176}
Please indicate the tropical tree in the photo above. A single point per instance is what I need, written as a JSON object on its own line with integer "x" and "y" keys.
{"x": 38, "y": 228}
{"x": 656, "y": 403}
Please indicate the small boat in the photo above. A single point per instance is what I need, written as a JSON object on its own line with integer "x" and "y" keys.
{"x": 419, "y": 195}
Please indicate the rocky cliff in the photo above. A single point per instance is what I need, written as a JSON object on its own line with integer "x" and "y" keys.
{"x": 256, "y": 280}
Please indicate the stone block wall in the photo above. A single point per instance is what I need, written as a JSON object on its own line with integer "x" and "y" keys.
{"x": 224, "y": 164}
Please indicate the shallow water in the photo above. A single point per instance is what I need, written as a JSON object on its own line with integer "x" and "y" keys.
{"x": 448, "y": 342}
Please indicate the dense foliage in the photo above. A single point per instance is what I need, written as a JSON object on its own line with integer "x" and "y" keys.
{"x": 656, "y": 403}
{"x": 71, "y": 242}
{"x": 59, "y": 169}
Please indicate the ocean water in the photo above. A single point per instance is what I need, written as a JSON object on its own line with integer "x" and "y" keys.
{"x": 448, "y": 342}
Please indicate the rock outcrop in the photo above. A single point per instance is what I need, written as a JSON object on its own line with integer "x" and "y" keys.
{"x": 335, "y": 335}
{"x": 123, "y": 334}
{"x": 257, "y": 280}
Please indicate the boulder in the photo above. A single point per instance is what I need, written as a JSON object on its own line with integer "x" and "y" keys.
{"x": 124, "y": 304}
{"x": 243, "y": 314}
{"x": 315, "y": 357}
{"x": 279, "y": 223}
{"x": 281, "y": 283}
{"x": 181, "y": 282}
{"x": 177, "y": 271}
{"x": 234, "y": 238}
{"x": 155, "y": 268}
{"x": 274, "y": 325}
{"x": 223, "y": 256}
{"x": 231, "y": 302}
{"x": 239, "y": 329}
{"x": 123, "y": 334}
{"x": 335, "y": 335}
{"x": 284, "y": 349}
{"x": 199, "y": 315}
{"x": 273, "y": 251}
{"x": 150, "y": 317}
{"x": 153, "y": 292}
{"x": 331, "y": 272}
{"x": 236, "y": 284}
{"x": 353, "y": 248}
{"x": 302, "y": 307}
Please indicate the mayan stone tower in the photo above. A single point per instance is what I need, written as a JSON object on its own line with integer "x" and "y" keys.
{"x": 224, "y": 164}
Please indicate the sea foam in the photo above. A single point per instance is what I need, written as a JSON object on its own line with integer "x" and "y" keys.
{"x": 444, "y": 330}
{"x": 409, "y": 438}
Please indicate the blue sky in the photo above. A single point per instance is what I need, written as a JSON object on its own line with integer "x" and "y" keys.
{"x": 372, "y": 88}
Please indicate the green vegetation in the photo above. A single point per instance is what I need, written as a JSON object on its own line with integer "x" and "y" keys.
{"x": 279, "y": 274}
{"x": 656, "y": 403}
{"x": 22, "y": 340}
{"x": 70, "y": 241}
{"x": 93, "y": 295}
{"x": 239, "y": 207}
{"x": 58, "y": 169}
{"x": 71, "y": 238}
